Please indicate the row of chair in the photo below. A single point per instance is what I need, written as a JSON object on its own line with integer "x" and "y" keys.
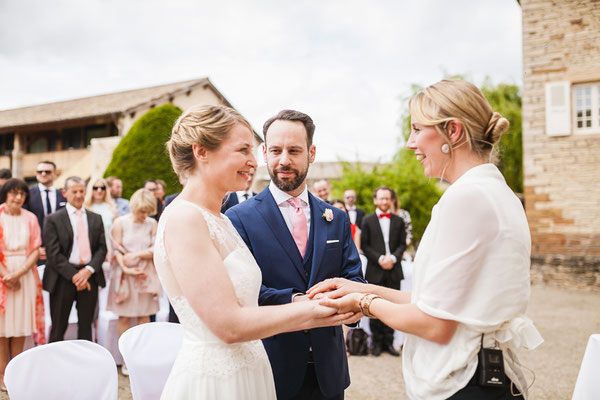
{"x": 80, "y": 369}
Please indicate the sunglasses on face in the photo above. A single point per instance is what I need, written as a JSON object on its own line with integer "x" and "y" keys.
{"x": 103, "y": 188}
{"x": 44, "y": 172}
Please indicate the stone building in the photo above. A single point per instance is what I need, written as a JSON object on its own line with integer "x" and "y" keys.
{"x": 80, "y": 135}
{"x": 561, "y": 138}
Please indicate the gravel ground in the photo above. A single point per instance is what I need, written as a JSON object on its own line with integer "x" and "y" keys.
{"x": 565, "y": 317}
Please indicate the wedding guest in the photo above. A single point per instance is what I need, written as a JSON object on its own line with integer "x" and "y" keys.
{"x": 76, "y": 249}
{"x": 235, "y": 198}
{"x": 98, "y": 200}
{"x": 21, "y": 302}
{"x": 150, "y": 185}
{"x": 405, "y": 215}
{"x": 5, "y": 174}
{"x": 356, "y": 214}
{"x": 383, "y": 241}
{"x": 134, "y": 285}
{"x": 354, "y": 229}
{"x": 116, "y": 191}
{"x": 322, "y": 190}
{"x": 471, "y": 271}
{"x": 161, "y": 190}
{"x": 44, "y": 198}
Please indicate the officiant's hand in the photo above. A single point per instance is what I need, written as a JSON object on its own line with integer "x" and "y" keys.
{"x": 337, "y": 287}
{"x": 349, "y": 303}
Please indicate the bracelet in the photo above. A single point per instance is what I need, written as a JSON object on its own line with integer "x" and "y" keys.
{"x": 365, "y": 304}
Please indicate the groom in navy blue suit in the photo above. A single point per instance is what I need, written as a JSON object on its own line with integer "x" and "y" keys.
{"x": 298, "y": 241}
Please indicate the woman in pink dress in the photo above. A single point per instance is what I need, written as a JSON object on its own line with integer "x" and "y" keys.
{"x": 21, "y": 302}
{"x": 134, "y": 285}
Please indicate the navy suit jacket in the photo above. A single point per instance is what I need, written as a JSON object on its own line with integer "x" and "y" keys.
{"x": 232, "y": 200}
{"x": 35, "y": 205}
{"x": 261, "y": 225}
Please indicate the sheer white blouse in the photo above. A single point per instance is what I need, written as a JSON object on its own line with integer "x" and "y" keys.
{"x": 472, "y": 266}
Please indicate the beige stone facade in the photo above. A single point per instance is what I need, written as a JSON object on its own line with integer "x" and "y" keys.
{"x": 561, "y": 54}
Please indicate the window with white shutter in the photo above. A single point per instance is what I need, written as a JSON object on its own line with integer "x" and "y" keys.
{"x": 558, "y": 108}
{"x": 586, "y": 107}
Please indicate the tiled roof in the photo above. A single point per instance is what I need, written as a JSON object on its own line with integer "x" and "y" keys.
{"x": 106, "y": 104}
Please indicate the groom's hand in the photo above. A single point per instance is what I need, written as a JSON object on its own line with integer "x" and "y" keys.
{"x": 336, "y": 287}
{"x": 353, "y": 319}
{"x": 304, "y": 297}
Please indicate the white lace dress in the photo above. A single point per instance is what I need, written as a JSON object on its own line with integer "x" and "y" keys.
{"x": 206, "y": 367}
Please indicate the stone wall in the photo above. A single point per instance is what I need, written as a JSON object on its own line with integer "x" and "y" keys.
{"x": 561, "y": 42}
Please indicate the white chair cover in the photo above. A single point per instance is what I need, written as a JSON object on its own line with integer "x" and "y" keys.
{"x": 149, "y": 351}
{"x": 587, "y": 386}
{"x": 74, "y": 369}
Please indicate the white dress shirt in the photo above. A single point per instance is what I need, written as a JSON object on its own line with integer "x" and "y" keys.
{"x": 351, "y": 213}
{"x": 384, "y": 224}
{"x": 281, "y": 198}
{"x": 74, "y": 257}
{"x": 472, "y": 266}
{"x": 240, "y": 195}
{"x": 43, "y": 194}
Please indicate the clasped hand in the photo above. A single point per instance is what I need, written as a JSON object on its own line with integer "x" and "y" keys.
{"x": 339, "y": 293}
{"x": 80, "y": 279}
{"x": 329, "y": 314}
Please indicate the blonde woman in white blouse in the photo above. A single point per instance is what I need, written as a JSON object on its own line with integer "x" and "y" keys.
{"x": 471, "y": 271}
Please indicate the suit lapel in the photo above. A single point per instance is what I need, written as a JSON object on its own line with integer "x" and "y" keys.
{"x": 319, "y": 226}
{"x": 67, "y": 225}
{"x": 394, "y": 225}
{"x": 272, "y": 216}
{"x": 379, "y": 232}
{"x": 91, "y": 229}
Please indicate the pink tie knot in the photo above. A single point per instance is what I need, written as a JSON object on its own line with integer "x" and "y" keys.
{"x": 297, "y": 203}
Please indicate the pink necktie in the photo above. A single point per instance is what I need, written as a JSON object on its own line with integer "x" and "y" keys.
{"x": 83, "y": 240}
{"x": 299, "y": 228}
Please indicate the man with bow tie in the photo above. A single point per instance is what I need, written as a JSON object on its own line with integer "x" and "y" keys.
{"x": 383, "y": 242}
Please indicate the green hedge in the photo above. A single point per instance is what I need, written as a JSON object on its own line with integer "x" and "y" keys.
{"x": 142, "y": 155}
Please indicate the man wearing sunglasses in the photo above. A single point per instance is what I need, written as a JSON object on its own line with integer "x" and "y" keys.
{"x": 44, "y": 198}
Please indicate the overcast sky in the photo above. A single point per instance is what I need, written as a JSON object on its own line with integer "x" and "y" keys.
{"x": 346, "y": 63}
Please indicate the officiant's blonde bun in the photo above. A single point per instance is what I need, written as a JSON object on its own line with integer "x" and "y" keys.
{"x": 205, "y": 125}
{"x": 455, "y": 99}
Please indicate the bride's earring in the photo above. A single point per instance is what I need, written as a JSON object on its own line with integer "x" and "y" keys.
{"x": 445, "y": 148}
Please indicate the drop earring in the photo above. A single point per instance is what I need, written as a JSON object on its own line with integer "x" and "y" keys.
{"x": 445, "y": 148}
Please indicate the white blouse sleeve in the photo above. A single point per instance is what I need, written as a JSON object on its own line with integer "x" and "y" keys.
{"x": 473, "y": 275}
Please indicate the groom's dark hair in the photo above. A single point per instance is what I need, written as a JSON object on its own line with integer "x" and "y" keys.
{"x": 292, "y": 115}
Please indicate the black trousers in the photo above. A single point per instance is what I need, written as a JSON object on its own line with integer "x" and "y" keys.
{"x": 310, "y": 387}
{"x": 61, "y": 302}
{"x": 475, "y": 392}
{"x": 383, "y": 335}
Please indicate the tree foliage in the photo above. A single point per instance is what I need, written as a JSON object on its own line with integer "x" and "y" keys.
{"x": 416, "y": 193}
{"x": 506, "y": 99}
{"x": 141, "y": 154}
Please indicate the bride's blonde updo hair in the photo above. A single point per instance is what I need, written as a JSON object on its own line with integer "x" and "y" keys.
{"x": 204, "y": 125}
{"x": 454, "y": 99}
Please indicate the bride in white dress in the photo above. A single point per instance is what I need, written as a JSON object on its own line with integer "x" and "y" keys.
{"x": 210, "y": 275}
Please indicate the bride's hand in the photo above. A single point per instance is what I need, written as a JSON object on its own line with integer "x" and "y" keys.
{"x": 346, "y": 304}
{"x": 337, "y": 287}
{"x": 330, "y": 316}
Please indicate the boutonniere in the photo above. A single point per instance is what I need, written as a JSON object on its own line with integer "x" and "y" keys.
{"x": 328, "y": 215}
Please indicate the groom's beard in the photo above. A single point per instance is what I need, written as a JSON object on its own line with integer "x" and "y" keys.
{"x": 289, "y": 184}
